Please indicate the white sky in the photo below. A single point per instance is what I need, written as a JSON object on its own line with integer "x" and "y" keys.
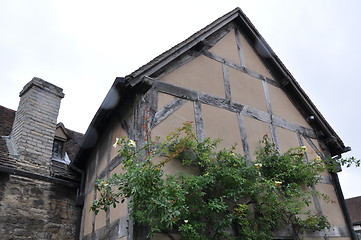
{"x": 82, "y": 46}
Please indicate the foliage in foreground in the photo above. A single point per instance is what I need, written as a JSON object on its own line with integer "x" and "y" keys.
{"x": 224, "y": 197}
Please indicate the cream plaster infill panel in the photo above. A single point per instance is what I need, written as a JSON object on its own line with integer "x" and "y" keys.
{"x": 174, "y": 121}
{"x": 164, "y": 99}
{"x": 312, "y": 155}
{"x": 283, "y": 107}
{"x": 100, "y": 218}
{"x": 223, "y": 124}
{"x": 201, "y": 74}
{"x": 311, "y": 207}
{"x": 287, "y": 139}
{"x": 173, "y": 166}
{"x": 332, "y": 209}
{"x": 121, "y": 209}
{"x": 87, "y": 221}
{"x": 117, "y": 132}
{"x": 102, "y": 158}
{"x": 227, "y": 48}
{"x": 246, "y": 89}
{"x": 252, "y": 60}
{"x": 256, "y": 130}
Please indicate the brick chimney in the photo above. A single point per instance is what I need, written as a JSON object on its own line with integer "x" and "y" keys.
{"x": 34, "y": 125}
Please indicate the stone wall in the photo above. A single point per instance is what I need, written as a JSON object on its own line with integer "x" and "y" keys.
{"x": 34, "y": 125}
{"x": 34, "y": 204}
{"x": 34, "y": 209}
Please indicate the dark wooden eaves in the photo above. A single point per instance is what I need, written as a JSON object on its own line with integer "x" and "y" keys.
{"x": 123, "y": 91}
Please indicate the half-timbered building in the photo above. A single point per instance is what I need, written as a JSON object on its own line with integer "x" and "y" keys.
{"x": 226, "y": 80}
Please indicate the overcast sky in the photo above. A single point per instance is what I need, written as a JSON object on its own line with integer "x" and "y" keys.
{"x": 82, "y": 46}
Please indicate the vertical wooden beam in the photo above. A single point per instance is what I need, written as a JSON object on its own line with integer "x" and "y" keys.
{"x": 140, "y": 115}
{"x": 269, "y": 110}
{"x": 240, "y": 48}
{"x": 152, "y": 99}
{"x": 130, "y": 223}
{"x": 316, "y": 200}
{"x": 108, "y": 158}
{"x": 300, "y": 141}
{"x": 199, "y": 119}
{"x": 242, "y": 129}
{"x": 95, "y": 192}
{"x": 227, "y": 84}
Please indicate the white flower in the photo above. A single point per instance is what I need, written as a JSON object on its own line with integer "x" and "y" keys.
{"x": 116, "y": 143}
{"x": 304, "y": 148}
{"x": 318, "y": 158}
{"x": 132, "y": 143}
{"x": 278, "y": 183}
{"x": 258, "y": 165}
{"x": 186, "y": 221}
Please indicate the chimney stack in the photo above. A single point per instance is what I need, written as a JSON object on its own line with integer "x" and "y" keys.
{"x": 34, "y": 125}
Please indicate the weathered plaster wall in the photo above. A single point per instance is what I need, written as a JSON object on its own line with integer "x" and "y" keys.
{"x": 227, "y": 93}
{"x": 113, "y": 224}
{"x": 267, "y": 111}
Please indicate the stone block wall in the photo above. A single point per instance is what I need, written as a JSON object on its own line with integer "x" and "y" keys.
{"x": 34, "y": 125}
{"x": 34, "y": 209}
{"x": 34, "y": 204}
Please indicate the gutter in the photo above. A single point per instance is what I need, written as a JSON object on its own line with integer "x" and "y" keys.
{"x": 79, "y": 200}
{"x": 342, "y": 202}
{"x": 23, "y": 173}
{"x": 124, "y": 89}
{"x": 90, "y": 136}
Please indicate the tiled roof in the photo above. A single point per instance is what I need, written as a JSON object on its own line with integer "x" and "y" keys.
{"x": 7, "y": 117}
{"x": 73, "y": 144}
{"x": 354, "y": 209}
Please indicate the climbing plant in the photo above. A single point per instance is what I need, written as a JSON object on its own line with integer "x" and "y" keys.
{"x": 223, "y": 196}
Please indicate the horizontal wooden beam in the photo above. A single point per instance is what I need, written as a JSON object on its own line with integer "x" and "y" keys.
{"x": 236, "y": 107}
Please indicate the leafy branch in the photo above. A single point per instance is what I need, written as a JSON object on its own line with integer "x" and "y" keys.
{"x": 225, "y": 196}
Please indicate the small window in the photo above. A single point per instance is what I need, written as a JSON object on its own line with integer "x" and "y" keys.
{"x": 58, "y": 149}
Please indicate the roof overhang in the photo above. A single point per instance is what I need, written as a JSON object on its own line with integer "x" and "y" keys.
{"x": 115, "y": 98}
